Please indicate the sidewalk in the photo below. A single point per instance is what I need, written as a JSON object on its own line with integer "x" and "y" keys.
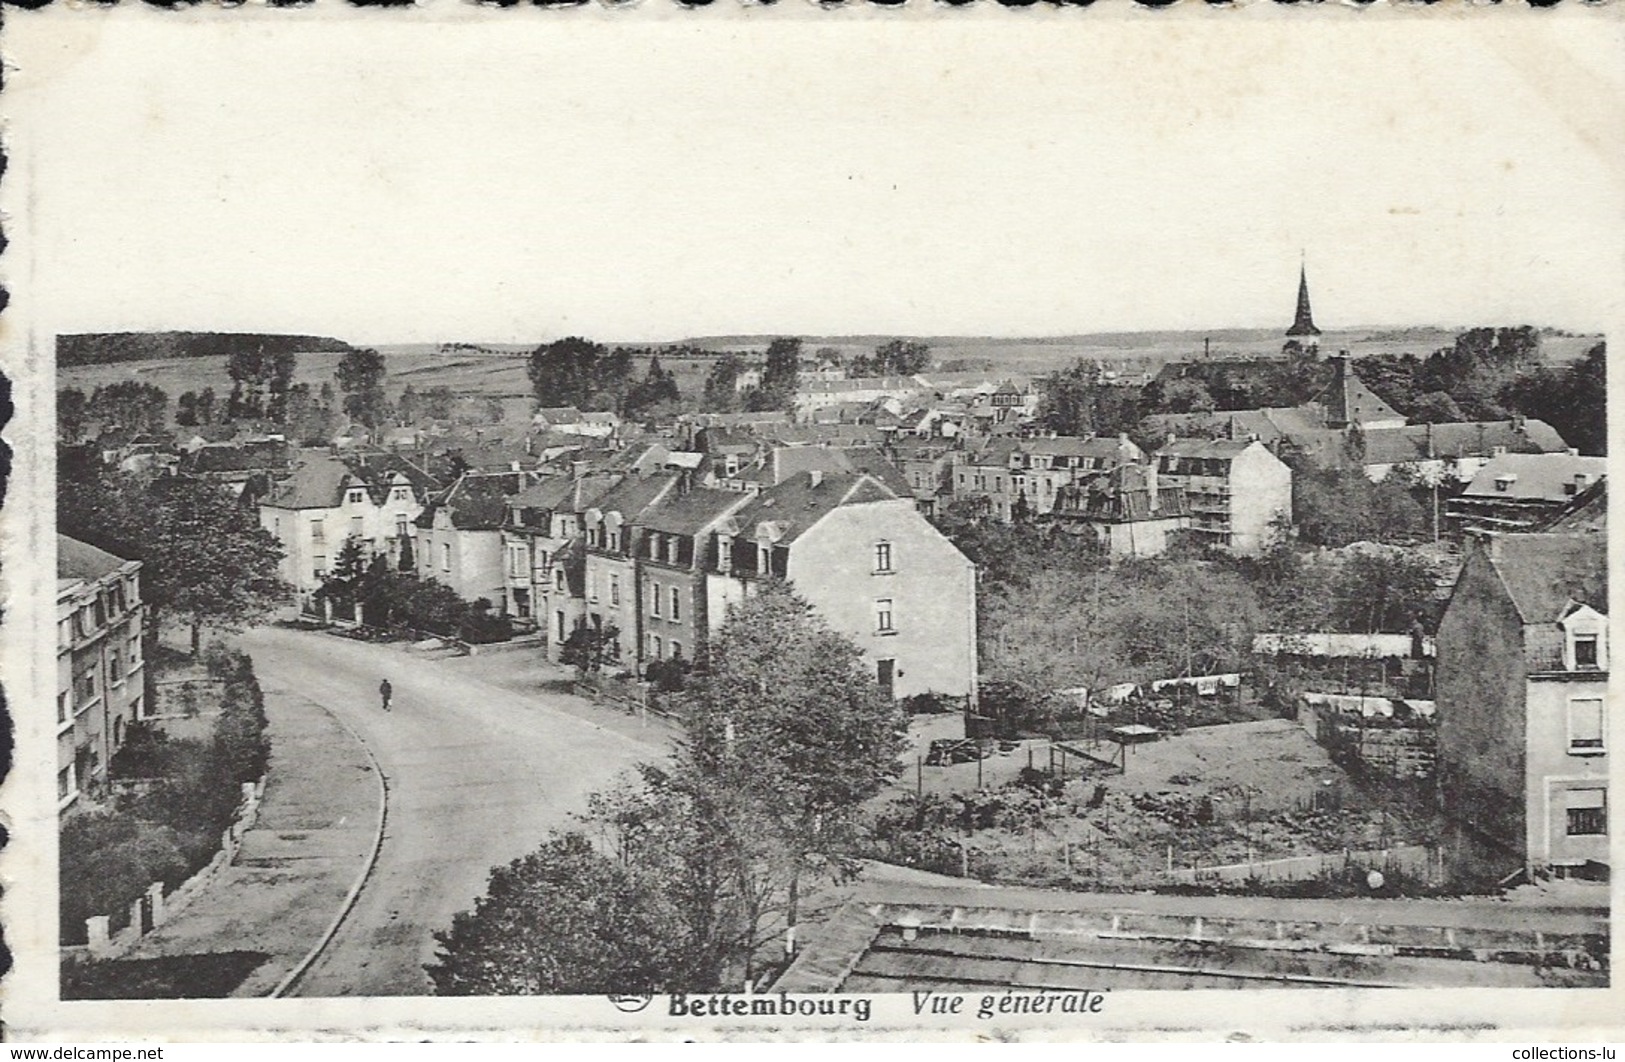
{"x": 316, "y": 827}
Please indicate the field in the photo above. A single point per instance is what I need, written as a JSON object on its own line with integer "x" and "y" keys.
{"x": 499, "y": 369}
{"x": 1210, "y": 796}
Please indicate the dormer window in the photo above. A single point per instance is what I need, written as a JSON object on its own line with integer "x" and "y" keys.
{"x": 357, "y": 497}
{"x": 672, "y": 546}
{"x": 1585, "y": 640}
{"x": 1504, "y": 483}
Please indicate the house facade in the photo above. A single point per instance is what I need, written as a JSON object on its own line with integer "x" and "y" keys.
{"x": 866, "y": 560}
{"x": 1521, "y": 684}
{"x": 1237, "y": 490}
{"x": 1127, "y": 510}
{"x": 610, "y": 563}
{"x": 543, "y": 554}
{"x": 325, "y": 501}
{"x": 460, "y": 536}
{"x": 99, "y": 664}
{"x": 1011, "y": 473}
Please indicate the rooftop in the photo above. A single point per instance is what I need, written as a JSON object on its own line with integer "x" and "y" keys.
{"x": 76, "y": 560}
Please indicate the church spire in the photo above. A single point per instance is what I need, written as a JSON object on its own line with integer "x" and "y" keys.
{"x": 1304, "y": 323}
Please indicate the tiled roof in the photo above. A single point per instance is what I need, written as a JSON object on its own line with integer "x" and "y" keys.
{"x": 689, "y": 512}
{"x": 478, "y": 501}
{"x": 1535, "y": 477}
{"x": 314, "y": 483}
{"x": 1546, "y": 574}
{"x": 1213, "y": 448}
{"x": 632, "y": 495}
{"x": 797, "y": 504}
{"x": 81, "y": 560}
{"x": 1587, "y": 513}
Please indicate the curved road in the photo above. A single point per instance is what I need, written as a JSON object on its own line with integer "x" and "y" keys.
{"x": 477, "y": 777}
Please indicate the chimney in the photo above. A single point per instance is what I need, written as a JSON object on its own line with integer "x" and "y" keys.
{"x": 1427, "y": 432}
{"x": 1171, "y": 438}
{"x": 529, "y": 443}
{"x": 1517, "y": 422}
{"x": 1151, "y": 486}
{"x": 578, "y": 469}
{"x": 817, "y": 477}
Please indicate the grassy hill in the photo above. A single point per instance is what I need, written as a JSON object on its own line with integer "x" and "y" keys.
{"x": 102, "y": 348}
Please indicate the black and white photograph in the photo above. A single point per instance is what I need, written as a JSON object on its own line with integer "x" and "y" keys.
{"x": 810, "y": 519}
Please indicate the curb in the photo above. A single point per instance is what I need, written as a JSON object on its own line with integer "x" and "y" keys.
{"x": 288, "y": 983}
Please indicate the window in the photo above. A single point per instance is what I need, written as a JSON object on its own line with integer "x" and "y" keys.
{"x": 614, "y": 589}
{"x": 445, "y": 556}
{"x": 115, "y": 666}
{"x": 400, "y": 525}
{"x": 654, "y": 647}
{"x": 1585, "y": 726}
{"x": 883, "y": 557}
{"x": 318, "y": 565}
{"x": 558, "y": 580}
{"x": 357, "y": 526}
{"x": 763, "y": 556}
{"x": 63, "y": 706}
{"x": 676, "y": 604}
{"x": 676, "y": 650}
{"x": 135, "y": 652}
{"x": 592, "y": 586}
{"x": 516, "y": 560}
{"x": 357, "y": 497}
{"x": 672, "y": 545}
{"x": 64, "y": 783}
{"x": 654, "y": 600}
{"x": 317, "y": 533}
{"x": 401, "y": 494}
{"x": 1587, "y": 812}
{"x": 614, "y": 542}
{"x": 85, "y": 687}
{"x": 883, "y": 617}
{"x": 1585, "y": 650}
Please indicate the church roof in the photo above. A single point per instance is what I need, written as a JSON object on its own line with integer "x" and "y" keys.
{"x": 1303, "y": 324}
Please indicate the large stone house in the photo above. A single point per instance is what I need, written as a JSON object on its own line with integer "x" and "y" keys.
{"x": 870, "y": 565}
{"x": 543, "y": 549}
{"x": 1519, "y": 492}
{"x": 1237, "y": 490}
{"x": 1008, "y": 473}
{"x": 99, "y": 664}
{"x": 1127, "y": 510}
{"x": 460, "y": 536}
{"x": 325, "y": 501}
{"x": 1521, "y": 689}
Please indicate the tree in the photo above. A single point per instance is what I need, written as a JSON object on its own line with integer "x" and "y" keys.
{"x": 564, "y": 919}
{"x": 1435, "y": 407}
{"x": 901, "y": 357}
{"x": 344, "y": 583}
{"x": 72, "y": 408}
{"x": 589, "y": 648}
{"x": 781, "y": 376}
{"x": 186, "y": 409}
{"x": 697, "y": 865}
{"x": 130, "y": 407}
{"x": 652, "y": 396}
{"x": 360, "y": 377}
{"x": 721, "y": 383}
{"x": 206, "y": 402}
{"x": 579, "y": 372}
{"x": 205, "y": 557}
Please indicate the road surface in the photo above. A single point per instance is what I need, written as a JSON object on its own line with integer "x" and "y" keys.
{"x": 477, "y": 776}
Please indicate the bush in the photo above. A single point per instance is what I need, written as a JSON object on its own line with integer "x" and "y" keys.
{"x": 480, "y": 626}
{"x": 106, "y": 862}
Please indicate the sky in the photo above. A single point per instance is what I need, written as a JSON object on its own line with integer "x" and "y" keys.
{"x": 516, "y": 176}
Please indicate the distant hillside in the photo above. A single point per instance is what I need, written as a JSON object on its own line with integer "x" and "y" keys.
{"x": 101, "y": 348}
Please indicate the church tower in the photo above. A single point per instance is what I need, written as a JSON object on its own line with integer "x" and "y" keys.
{"x": 1303, "y": 325}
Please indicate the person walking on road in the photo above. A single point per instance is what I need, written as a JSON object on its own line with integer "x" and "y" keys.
{"x": 384, "y": 690}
